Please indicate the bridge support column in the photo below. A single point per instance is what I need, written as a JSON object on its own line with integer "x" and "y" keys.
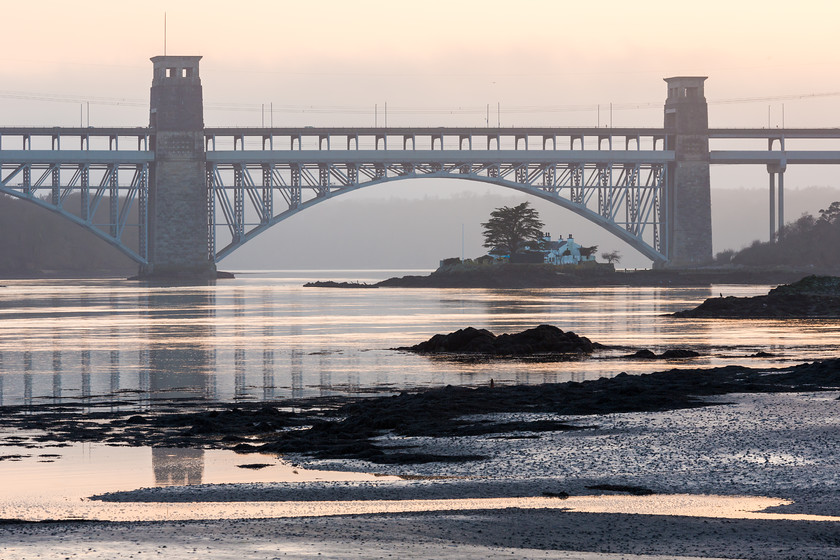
{"x": 688, "y": 233}
{"x": 776, "y": 170}
{"x": 178, "y": 195}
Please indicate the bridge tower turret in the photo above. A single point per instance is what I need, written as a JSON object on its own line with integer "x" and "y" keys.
{"x": 688, "y": 193}
{"x": 178, "y": 198}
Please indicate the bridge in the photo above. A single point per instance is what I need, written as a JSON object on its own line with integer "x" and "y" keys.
{"x": 177, "y": 197}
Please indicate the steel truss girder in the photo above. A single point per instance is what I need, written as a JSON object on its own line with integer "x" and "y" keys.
{"x": 624, "y": 198}
{"x": 120, "y": 184}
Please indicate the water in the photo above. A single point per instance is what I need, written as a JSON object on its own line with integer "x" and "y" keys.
{"x": 263, "y": 336}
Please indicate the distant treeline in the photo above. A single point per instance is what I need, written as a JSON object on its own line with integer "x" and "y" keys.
{"x": 36, "y": 241}
{"x": 808, "y": 242}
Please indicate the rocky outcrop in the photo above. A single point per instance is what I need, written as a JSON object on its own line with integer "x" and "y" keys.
{"x": 675, "y": 353}
{"x": 544, "y": 339}
{"x": 813, "y": 296}
{"x": 334, "y": 284}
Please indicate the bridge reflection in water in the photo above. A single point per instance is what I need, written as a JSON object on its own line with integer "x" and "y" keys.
{"x": 132, "y": 345}
{"x": 125, "y": 343}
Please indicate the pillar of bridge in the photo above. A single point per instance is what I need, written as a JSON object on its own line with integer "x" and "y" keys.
{"x": 688, "y": 213}
{"x": 178, "y": 197}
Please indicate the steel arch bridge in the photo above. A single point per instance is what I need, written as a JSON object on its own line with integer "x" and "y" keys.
{"x": 98, "y": 178}
{"x": 254, "y": 186}
{"x": 46, "y": 166}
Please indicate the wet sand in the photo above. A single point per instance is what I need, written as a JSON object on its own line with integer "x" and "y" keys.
{"x": 783, "y": 445}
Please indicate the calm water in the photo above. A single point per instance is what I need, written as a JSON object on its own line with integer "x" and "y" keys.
{"x": 264, "y": 336}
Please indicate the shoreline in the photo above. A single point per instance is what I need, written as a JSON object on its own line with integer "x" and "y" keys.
{"x": 553, "y": 463}
{"x": 679, "y": 436}
{"x": 535, "y": 276}
{"x": 344, "y": 427}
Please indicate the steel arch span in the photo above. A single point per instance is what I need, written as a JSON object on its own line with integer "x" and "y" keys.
{"x": 625, "y": 198}
{"x": 112, "y": 195}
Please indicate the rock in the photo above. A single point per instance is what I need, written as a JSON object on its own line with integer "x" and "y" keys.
{"x": 678, "y": 353}
{"x": 812, "y": 296}
{"x": 646, "y": 354}
{"x": 544, "y": 339}
{"x": 623, "y": 488}
{"x": 333, "y": 284}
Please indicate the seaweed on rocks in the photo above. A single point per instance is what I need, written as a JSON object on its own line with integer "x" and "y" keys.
{"x": 350, "y": 428}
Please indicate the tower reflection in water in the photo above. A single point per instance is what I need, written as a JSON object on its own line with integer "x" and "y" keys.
{"x": 180, "y": 365}
{"x": 181, "y": 360}
{"x": 177, "y": 466}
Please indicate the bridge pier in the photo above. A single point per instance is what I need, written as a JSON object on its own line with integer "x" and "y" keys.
{"x": 773, "y": 171}
{"x": 688, "y": 207}
{"x": 178, "y": 226}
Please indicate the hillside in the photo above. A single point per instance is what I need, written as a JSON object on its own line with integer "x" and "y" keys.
{"x": 37, "y": 242}
{"x": 809, "y": 242}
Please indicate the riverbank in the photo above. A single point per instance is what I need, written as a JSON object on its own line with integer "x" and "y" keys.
{"x": 530, "y": 276}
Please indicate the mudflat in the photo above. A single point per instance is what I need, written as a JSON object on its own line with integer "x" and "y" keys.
{"x": 659, "y": 439}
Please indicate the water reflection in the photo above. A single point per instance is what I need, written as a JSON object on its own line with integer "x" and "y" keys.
{"x": 177, "y": 466}
{"x": 268, "y": 338}
{"x": 179, "y": 360}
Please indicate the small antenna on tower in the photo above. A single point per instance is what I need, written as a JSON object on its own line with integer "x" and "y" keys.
{"x": 164, "y": 33}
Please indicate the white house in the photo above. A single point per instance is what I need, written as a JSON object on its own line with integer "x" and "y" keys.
{"x": 566, "y": 251}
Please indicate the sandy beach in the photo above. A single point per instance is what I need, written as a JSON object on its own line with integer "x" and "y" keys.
{"x": 557, "y": 494}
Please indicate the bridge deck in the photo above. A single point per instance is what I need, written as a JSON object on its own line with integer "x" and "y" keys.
{"x": 280, "y": 145}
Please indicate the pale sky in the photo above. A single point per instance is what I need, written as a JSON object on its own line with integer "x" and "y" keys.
{"x": 434, "y": 63}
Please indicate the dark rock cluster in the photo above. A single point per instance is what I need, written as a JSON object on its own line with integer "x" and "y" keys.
{"x": 544, "y": 339}
{"x": 813, "y": 296}
{"x": 674, "y": 353}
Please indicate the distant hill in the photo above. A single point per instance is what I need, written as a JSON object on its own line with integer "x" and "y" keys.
{"x": 808, "y": 242}
{"x": 37, "y": 242}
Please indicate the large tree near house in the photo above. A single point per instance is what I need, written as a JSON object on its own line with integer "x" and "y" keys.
{"x": 513, "y": 230}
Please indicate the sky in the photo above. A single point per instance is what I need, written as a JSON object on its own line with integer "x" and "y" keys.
{"x": 538, "y": 61}
{"x": 433, "y": 63}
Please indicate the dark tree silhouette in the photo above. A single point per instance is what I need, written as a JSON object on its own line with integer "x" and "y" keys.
{"x": 587, "y": 252}
{"x": 611, "y": 257}
{"x": 809, "y": 241}
{"x": 512, "y": 230}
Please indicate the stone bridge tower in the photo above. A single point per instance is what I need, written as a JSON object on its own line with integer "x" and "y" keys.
{"x": 178, "y": 197}
{"x": 688, "y": 192}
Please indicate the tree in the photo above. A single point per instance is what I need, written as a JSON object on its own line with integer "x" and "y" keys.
{"x": 807, "y": 242}
{"x": 830, "y": 214}
{"x": 512, "y": 230}
{"x": 611, "y": 257}
{"x": 586, "y": 252}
